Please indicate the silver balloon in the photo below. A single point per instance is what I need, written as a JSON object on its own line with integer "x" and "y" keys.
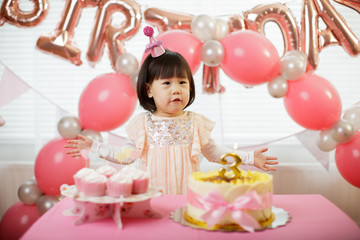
{"x": 133, "y": 80}
{"x": 342, "y": 131}
{"x": 203, "y": 27}
{"x": 127, "y": 64}
{"x": 325, "y": 142}
{"x": 292, "y": 66}
{"x": 46, "y": 202}
{"x": 93, "y": 134}
{"x": 212, "y": 53}
{"x": 353, "y": 116}
{"x": 69, "y": 127}
{"x": 221, "y": 30}
{"x": 278, "y": 87}
{"x": 29, "y": 192}
{"x": 302, "y": 56}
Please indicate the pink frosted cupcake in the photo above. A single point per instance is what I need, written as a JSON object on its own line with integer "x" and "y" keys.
{"x": 79, "y": 175}
{"x": 140, "y": 179}
{"x": 94, "y": 185}
{"x": 119, "y": 185}
{"x": 140, "y": 182}
{"x": 106, "y": 170}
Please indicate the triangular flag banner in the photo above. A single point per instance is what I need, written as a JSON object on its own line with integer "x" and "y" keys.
{"x": 117, "y": 140}
{"x": 308, "y": 139}
{"x": 11, "y": 87}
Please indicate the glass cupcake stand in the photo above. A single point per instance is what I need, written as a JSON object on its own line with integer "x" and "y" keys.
{"x": 89, "y": 209}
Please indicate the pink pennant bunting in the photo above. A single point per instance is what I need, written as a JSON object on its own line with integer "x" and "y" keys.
{"x": 116, "y": 139}
{"x": 308, "y": 139}
{"x": 11, "y": 87}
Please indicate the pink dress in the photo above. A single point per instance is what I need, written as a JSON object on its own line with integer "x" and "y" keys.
{"x": 170, "y": 147}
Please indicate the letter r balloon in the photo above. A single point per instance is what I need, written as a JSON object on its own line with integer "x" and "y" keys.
{"x": 60, "y": 41}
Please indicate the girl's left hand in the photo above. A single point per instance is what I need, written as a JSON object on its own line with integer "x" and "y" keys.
{"x": 262, "y": 161}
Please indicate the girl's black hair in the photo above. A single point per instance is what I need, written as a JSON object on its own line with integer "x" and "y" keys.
{"x": 170, "y": 64}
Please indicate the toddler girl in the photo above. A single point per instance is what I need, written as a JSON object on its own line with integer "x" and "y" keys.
{"x": 167, "y": 139}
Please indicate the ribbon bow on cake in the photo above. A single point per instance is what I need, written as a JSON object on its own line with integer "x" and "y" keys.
{"x": 216, "y": 207}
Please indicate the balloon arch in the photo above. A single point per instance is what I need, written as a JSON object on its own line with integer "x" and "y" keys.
{"x": 236, "y": 44}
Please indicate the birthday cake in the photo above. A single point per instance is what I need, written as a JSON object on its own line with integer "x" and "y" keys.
{"x": 240, "y": 202}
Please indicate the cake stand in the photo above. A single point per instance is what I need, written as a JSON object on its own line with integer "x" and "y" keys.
{"x": 89, "y": 209}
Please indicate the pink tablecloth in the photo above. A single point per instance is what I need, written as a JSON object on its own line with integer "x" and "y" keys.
{"x": 313, "y": 217}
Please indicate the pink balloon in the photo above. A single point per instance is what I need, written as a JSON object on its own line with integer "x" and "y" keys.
{"x": 53, "y": 167}
{"x": 17, "y": 220}
{"x": 107, "y": 102}
{"x": 347, "y": 157}
{"x": 313, "y": 102}
{"x": 184, "y": 43}
{"x": 250, "y": 58}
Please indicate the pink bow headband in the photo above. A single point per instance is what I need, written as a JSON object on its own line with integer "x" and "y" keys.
{"x": 155, "y": 46}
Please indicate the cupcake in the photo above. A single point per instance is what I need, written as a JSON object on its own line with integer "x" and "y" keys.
{"x": 140, "y": 182}
{"x": 140, "y": 179}
{"x": 94, "y": 184}
{"x": 106, "y": 170}
{"x": 79, "y": 175}
{"x": 119, "y": 185}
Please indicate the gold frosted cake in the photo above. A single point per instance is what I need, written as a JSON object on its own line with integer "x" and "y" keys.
{"x": 240, "y": 202}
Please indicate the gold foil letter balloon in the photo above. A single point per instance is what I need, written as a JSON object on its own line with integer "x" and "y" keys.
{"x": 60, "y": 41}
{"x": 256, "y": 18}
{"x": 11, "y": 12}
{"x": 113, "y": 35}
{"x": 337, "y": 31}
{"x": 165, "y": 20}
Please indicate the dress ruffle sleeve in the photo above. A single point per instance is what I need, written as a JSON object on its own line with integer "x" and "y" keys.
{"x": 202, "y": 133}
{"x": 136, "y": 131}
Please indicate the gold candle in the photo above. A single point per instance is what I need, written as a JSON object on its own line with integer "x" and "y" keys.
{"x": 233, "y": 166}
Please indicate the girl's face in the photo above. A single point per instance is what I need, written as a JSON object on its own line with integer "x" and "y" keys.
{"x": 171, "y": 95}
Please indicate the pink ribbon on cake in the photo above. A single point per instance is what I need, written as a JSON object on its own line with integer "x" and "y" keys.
{"x": 216, "y": 207}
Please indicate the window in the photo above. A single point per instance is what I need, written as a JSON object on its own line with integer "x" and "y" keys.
{"x": 244, "y": 115}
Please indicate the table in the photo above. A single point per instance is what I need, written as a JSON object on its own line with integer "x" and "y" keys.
{"x": 313, "y": 217}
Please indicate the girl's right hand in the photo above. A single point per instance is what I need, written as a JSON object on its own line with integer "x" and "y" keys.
{"x": 78, "y": 144}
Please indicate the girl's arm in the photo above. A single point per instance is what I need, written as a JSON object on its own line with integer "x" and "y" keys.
{"x": 125, "y": 154}
{"x": 213, "y": 153}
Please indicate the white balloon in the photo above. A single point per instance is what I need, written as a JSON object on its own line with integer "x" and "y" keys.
{"x": 29, "y": 192}
{"x": 292, "y": 66}
{"x": 353, "y": 116}
{"x": 93, "y": 134}
{"x": 45, "y": 202}
{"x": 222, "y": 29}
{"x": 127, "y": 64}
{"x": 203, "y": 27}
{"x": 325, "y": 142}
{"x": 298, "y": 54}
{"x": 133, "y": 80}
{"x": 342, "y": 131}
{"x": 278, "y": 87}
{"x": 212, "y": 53}
{"x": 69, "y": 127}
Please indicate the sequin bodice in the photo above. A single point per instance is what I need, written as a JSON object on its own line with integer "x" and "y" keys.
{"x": 165, "y": 132}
